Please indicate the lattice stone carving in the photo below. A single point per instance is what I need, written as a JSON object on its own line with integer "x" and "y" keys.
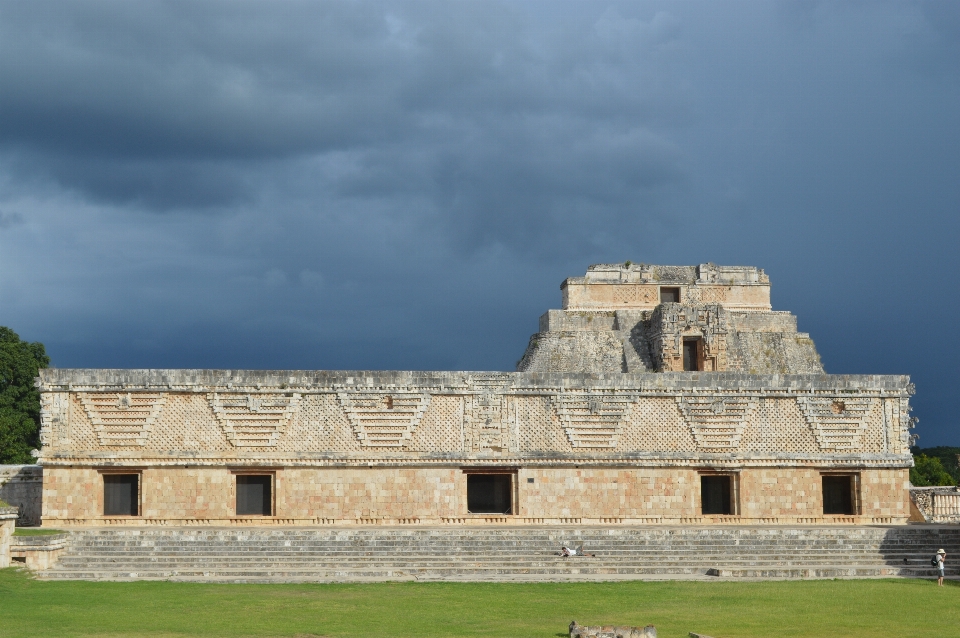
{"x": 122, "y": 418}
{"x": 716, "y": 422}
{"x": 627, "y": 293}
{"x": 713, "y": 294}
{"x": 593, "y": 420}
{"x": 382, "y": 419}
{"x": 254, "y": 420}
{"x": 837, "y": 422}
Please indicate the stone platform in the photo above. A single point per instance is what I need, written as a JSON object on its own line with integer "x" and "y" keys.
{"x": 505, "y": 554}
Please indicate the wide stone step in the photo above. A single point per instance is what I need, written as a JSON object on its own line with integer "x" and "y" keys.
{"x": 344, "y": 555}
{"x": 540, "y": 549}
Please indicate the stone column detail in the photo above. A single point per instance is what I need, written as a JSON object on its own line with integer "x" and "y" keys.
{"x": 8, "y": 519}
{"x": 55, "y": 419}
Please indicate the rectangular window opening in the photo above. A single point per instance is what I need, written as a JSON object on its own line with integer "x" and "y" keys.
{"x": 254, "y": 495}
{"x": 669, "y": 295}
{"x": 121, "y": 494}
{"x": 490, "y": 493}
{"x": 839, "y": 494}
{"x": 716, "y": 494}
{"x": 691, "y": 355}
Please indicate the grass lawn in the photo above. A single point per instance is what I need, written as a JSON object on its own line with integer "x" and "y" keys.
{"x": 721, "y": 609}
{"x": 35, "y": 531}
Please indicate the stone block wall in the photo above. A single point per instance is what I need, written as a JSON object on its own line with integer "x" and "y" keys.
{"x": 21, "y": 486}
{"x": 393, "y": 496}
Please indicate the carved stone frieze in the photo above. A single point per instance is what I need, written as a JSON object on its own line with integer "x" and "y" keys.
{"x": 716, "y": 421}
{"x": 253, "y": 420}
{"x": 593, "y": 419}
{"x": 383, "y": 419}
{"x": 488, "y": 421}
{"x": 122, "y": 418}
{"x": 837, "y": 422}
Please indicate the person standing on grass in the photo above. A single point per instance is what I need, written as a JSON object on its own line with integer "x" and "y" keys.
{"x": 940, "y": 557}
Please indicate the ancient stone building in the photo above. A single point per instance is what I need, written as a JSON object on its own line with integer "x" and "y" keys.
{"x": 656, "y": 395}
{"x": 640, "y": 318}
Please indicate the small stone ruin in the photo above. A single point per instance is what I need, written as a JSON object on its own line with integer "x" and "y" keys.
{"x": 609, "y": 631}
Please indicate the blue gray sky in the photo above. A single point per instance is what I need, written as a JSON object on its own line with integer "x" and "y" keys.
{"x": 362, "y": 185}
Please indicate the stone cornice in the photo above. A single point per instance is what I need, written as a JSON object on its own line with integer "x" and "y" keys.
{"x": 327, "y": 381}
{"x": 648, "y": 460}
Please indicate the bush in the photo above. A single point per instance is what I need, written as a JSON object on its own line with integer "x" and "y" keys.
{"x": 928, "y": 470}
{"x": 946, "y": 454}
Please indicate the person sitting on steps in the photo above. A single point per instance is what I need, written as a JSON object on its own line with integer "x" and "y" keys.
{"x": 576, "y": 551}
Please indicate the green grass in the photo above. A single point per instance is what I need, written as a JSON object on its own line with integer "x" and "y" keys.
{"x": 35, "y": 531}
{"x": 720, "y": 609}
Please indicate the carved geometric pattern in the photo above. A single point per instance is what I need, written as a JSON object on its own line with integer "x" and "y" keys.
{"x": 713, "y": 294}
{"x": 381, "y": 419}
{"x": 593, "y": 420}
{"x": 253, "y": 420}
{"x": 122, "y": 418}
{"x": 626, "y": 293}
{"x": 487, "y": 421}
{"x": 837, "y": 422}
{"x": 716, "y": 422}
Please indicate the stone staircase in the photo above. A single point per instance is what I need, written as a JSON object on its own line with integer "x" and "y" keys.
{"x": 501, "y": 554}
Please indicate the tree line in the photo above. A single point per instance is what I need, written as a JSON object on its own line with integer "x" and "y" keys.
{"x": 20, "y": 362}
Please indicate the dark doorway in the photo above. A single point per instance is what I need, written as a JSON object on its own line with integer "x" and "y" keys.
{"x": 121, "y": 494}
{"x": 669, "y": 295}
{"x": 253, "y": 495}
{"x": 838, "y": 495}
{"x": 691, "y": 355}
{"x": 490, "y": 493}
{"x": 715, "y": 494}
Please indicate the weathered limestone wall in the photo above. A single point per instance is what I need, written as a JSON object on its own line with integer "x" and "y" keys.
{"x": 21, "y": 486}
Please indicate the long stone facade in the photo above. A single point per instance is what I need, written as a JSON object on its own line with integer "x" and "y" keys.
{"x": 713, "y": 444}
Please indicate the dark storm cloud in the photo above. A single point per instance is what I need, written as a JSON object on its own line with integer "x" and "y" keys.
{"x": 404, "y": 185}
{"x": 125, "y": 102}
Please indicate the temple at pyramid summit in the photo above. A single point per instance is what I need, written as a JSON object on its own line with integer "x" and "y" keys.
{"x": 656, "y": 395}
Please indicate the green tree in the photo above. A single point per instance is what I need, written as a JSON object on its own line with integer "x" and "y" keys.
{"x": 20, "y": 363}
{"x": 928, "y": 470}
{"x": 947, "y": 455}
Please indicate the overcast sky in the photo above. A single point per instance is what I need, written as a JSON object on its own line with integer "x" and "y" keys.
{"x": 405, "y": 185}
